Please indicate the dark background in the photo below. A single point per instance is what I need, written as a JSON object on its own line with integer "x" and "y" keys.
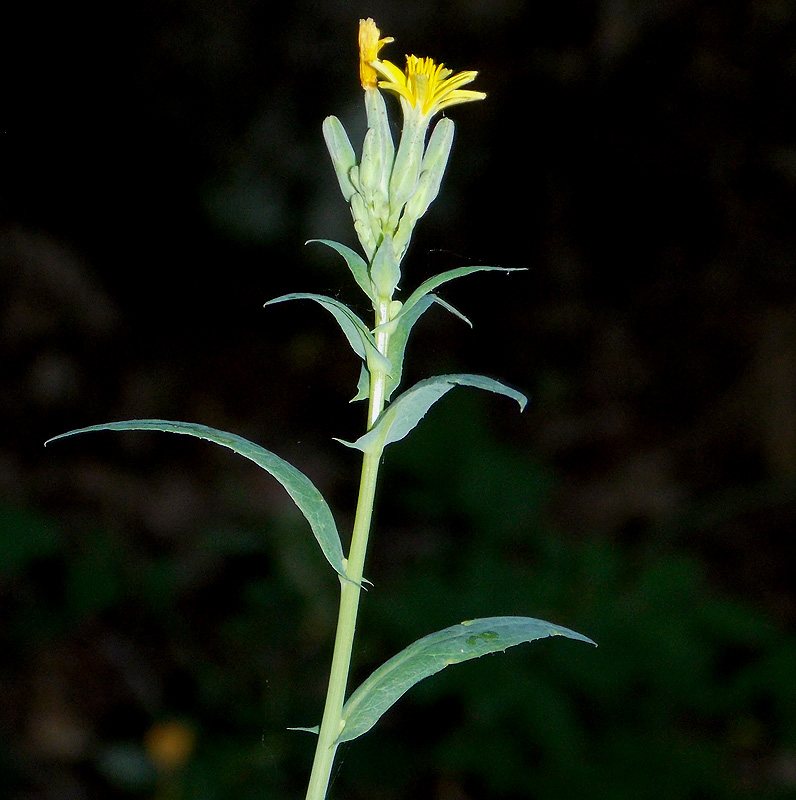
{"x": 164, "y": 612}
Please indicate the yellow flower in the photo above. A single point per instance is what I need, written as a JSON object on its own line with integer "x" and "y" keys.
{"x": 369, "y": 46}
{"x": 425, "y": 85}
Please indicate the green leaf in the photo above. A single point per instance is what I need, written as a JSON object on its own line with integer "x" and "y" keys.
{"x": 415, "y": 306}
{"x": 357, "y": 264}
{"x": 308, "y": 499}
{"x": 357, "y": 333}
{"x": 401, "y": 327}
{"x": 399, "y": 336}
{"x": 448, "y": 307}
{"x": 363, "y": 386}
{"x": 432, "y": 653}
{"x": 403, "y": 414}
{"x": 437, "y": 280}
{"x": 314, "y": 729}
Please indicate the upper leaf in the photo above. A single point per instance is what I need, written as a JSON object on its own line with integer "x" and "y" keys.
{"x": 308, "y": 499}
{"x": 415, "y": 306}
{"x": 432, "y": 653}
{"x": 403, "y": 414}
{"x": 400, "y": 327}
{"x": 399, "y": 336}
{"x": 357, "y": 333}
{"x": 357, "y": 264}
{"x": 437, "y": 280}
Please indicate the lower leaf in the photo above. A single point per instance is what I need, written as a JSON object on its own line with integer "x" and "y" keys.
{"x": 427, "y": 656}
{"x": 308, "y": 499}
{"x": 404, "y": 413}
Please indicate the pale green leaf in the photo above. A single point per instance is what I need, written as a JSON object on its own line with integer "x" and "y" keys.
{"x": 448, "y": 307}
{"x": 437, "y": 280}
{"x": 363, "y": 385}
{"x": 404, "y": 413}
{"x": 401, "y": 327}
{"x": 399, "y": 336}
{"x": 357, "y": 264}
{"x": 432, "y": 653}
{"x": 308, "y": 499}
{"x": 357, "y": 333}
{"x": 416, "y": 304}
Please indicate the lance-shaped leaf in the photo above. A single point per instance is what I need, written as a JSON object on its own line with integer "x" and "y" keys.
{"x": 448, "y": 307}
{"x": 437, "y": 280}
{"x": 399, "y": 336}
{"x": 432, "y": 653}
{"x": 415, "y": 306}
{"x": 363, "y": 385}
{"x": 359, "y": 337}
{"x": 399, "y": 329}
{"x": 403, "y": 414}
{"x": 308, "y": 499}
{"x": 357, "y": 264}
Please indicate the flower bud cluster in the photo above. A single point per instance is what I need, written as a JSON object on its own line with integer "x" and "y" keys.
{"x": 388, "y": 190}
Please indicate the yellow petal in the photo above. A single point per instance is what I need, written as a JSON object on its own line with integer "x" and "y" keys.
{"x": 425, "y": 85}
{"x": 369, "y": 46}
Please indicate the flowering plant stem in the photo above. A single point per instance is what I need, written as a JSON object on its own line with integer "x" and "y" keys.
{"x": 387, "y": 191}
{"x": 332, "y": 722}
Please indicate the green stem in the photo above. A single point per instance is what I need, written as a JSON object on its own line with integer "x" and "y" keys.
{"x": 332, "y": 722}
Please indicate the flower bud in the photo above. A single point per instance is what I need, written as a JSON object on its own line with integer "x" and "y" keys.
{"x": 406, "y": 170}
{"x": 343, "y": 157}
{"x": 365, "y": 236}
{"x": 385, "y": 272}
{"x": 438, "y": 150}
{"x": 435, "y": 160}
{"x": 363, "y": 224}
{"x": 376, "y": 112}
{"x": 371, "y": 167}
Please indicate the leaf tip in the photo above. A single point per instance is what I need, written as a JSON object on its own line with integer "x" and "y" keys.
{"x": 569, "y": 635}
{"x": 315, "y": 729}
{"x": 59, "y": 436}
{"x": 352, "y": 445}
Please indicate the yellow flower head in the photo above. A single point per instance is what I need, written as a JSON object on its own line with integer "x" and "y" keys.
{"x": 425, "y": 85}
{"x": 369, "y": 46}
